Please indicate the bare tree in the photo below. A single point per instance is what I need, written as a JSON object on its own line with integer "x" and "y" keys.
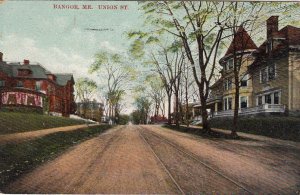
{"x": 117, "y": 73}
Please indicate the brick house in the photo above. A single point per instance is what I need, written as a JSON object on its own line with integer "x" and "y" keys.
{"x": 269, "y": 75}
{"x": 30, "y": 85}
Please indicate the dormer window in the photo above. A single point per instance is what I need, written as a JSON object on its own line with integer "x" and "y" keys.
{"x": 24, "y": 72}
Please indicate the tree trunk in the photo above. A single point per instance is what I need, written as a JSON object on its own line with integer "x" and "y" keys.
{"x": 187, "y": 109}
{"x": 236, "y": 107}
{"x": 186, "y": 102}
{"x": 177, "y": 108}
{"x": 205, "y": 123}
{"x": 169, "y": 109}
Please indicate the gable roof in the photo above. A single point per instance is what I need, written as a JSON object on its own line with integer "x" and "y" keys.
{"x": 241, "y": 41}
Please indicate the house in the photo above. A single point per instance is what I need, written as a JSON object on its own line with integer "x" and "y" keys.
{"x": 30, "y": 86}
{"x": 276, "y": 69}
{"x": 221, "y": 98}
{"x": 269, "y": 75}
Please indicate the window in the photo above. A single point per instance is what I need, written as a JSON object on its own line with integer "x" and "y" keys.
{"x": 276, "y": 98}
{"x": 263, "y": 76}
{"x": 259, "y": 100}
{"x": 244, "y": 102}
{"x": 271, "y": 72}
{"x": 268, "y": 73}
{"x": 20, "y": 84}
{"x": 227, "y": 84}
{"x": 268, "y": 99}
{"x": 244, "y": 81}
{"x": 38, "y": 85}
{"x": 2, "y": 83}
{"x": 227, "y": 103}
{"x": 230, "y": 64}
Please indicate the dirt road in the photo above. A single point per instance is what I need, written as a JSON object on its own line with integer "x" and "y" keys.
{"x": 150, "y": 159}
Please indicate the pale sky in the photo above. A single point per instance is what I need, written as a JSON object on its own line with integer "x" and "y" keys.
{"x": 62, "y": 39}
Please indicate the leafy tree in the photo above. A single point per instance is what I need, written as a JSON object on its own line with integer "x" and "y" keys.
{"x": 199, "y": 26}
{"x": 123, "y": 119}
{"x": 143, "y": 109}
{"x": 85, "y": 89}
{"x": 156, "y": 93}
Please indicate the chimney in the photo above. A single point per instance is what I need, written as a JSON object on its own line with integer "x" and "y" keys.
{"x": 1, "y": 57}
{"x": 272, "y": 26}
{"x": 26, "y": 62}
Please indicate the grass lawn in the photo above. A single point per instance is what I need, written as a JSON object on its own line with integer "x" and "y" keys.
{"x": 287, "y": 128}
{"x": 277, "y": 127}
{"x": 17, "y": 159}
{"x": 14, "y": 122}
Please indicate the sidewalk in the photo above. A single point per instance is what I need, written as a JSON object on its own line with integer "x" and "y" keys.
{"x": 256, "y": 137}
{"x": 20, "y": 137}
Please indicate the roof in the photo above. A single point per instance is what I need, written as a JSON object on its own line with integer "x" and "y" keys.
{"x": 290, "y": 38}
{"x": 37, "y": 72}
{"x": 290, "y": 35}
{"x": 62, "y": 79}
{"x": 241, "y": 41}
{"x": 5, "y": 68}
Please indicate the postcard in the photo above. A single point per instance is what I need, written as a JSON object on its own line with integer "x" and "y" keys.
{"x": 149, "y": 97}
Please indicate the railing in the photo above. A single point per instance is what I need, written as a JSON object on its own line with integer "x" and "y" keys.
{"x": 266, "y": 108}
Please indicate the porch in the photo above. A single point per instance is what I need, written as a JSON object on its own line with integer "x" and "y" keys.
{"x": 265, "y": 108}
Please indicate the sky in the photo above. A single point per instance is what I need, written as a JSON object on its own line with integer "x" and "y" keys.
{"x": 65, "y": 40}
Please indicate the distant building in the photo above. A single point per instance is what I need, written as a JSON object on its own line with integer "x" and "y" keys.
{"x": 31, "y": 86}
{"x": 91, "y": 110}
{"x": 269, "y": 75}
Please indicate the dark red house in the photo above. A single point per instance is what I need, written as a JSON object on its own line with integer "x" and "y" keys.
{"x": 28, "y": 85}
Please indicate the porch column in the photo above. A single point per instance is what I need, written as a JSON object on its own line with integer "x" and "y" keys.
{"x": 193, "y": 111}
{"x": 216, "y": 107}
